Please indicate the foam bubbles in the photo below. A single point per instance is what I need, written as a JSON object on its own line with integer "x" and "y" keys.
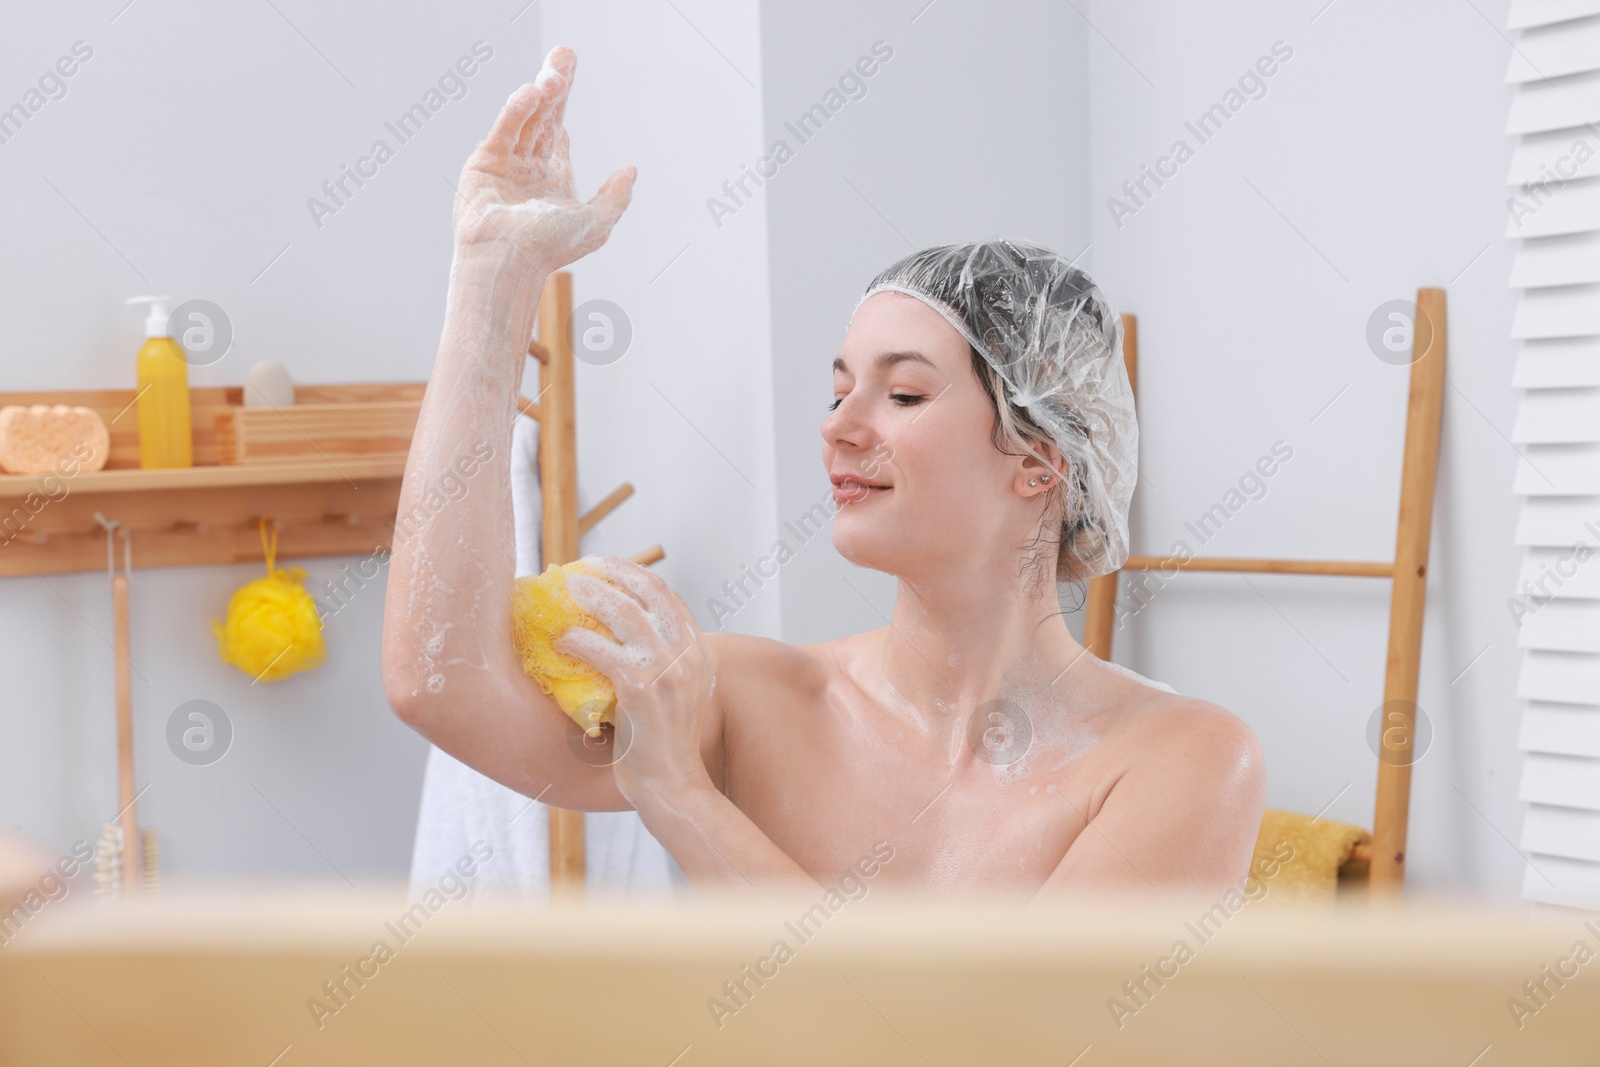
{"x": 435, "y": 644}
{"x": 658, "y": 609}
{"x": 666, "y": 625}
{"x": 1060, "y": 736}
{"x": 663, "y": 621}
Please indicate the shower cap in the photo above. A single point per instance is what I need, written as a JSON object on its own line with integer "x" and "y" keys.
{"x": 1050, "y": 333}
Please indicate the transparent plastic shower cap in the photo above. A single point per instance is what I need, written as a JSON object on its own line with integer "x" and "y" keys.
{"x": 1055, "y": 340}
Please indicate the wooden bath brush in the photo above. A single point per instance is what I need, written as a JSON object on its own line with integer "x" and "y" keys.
{"x": 126, "y": 858}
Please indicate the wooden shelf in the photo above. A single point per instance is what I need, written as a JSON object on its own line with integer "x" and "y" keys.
{"x": 209, "y": 477}
{"x": 208, "y": 513}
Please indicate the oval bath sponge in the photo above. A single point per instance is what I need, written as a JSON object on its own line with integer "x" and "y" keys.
{"x": 541, "y": 611}
{"x": 39, "y": 438}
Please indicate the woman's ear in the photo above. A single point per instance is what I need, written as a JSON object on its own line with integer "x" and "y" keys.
{"x": 1032, "y": 477}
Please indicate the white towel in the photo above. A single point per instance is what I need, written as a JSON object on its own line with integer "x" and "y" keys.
{"x": 1136, "y": 676}
{"x": 461, "y": 806}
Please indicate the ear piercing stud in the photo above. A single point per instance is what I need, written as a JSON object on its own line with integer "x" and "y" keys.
{"x": 1035, "y": 481}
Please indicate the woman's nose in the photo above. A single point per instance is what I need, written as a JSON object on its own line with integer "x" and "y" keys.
{"x": 844, "y": 424}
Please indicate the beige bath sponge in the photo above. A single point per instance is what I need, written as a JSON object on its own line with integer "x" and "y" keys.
{"x": 43, "y": 438}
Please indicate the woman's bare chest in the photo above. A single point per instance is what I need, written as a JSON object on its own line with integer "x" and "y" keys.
{"x": 988, "y": 801}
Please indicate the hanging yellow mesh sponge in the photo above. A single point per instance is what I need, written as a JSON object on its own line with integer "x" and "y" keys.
{"x": 272, "y": 629}
{"x": 541, "y": 611}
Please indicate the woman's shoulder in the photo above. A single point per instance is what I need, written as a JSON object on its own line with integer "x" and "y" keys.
{"x": 1161, "y": 719}
{"x": 748, "y": 650}
{"x": 770, "y": 667}
{"x": 766, "y": 656}
{"x": 762, "y": 682}
{"x": 1187, "y": 731}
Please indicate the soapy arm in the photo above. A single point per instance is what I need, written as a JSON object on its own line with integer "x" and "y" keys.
{"x": 715, "y": 843}
{"x": 449, "y": 667}
{"x": 450, "y": 670}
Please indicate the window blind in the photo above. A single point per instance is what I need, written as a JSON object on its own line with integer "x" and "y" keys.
{"x": 1553, "y": 203}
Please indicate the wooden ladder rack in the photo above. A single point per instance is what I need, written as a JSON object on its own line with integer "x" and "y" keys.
{"x": 1408, "y": 571}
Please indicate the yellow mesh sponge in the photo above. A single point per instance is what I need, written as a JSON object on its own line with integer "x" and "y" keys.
{"x": 541, "y": 610}
{"x": 272, "y": 629}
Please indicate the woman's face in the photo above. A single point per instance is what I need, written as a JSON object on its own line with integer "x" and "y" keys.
{"x": 911, "y": 417}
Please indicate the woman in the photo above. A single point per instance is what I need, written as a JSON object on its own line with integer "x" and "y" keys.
{"x": 981, "y": 443}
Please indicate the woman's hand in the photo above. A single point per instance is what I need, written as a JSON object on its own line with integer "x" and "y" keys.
{"x": 662, "y": 669}
{"x": 516, "y": 188}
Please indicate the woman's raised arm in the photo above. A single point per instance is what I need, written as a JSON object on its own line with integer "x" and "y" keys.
{"x": 449, "y": 667}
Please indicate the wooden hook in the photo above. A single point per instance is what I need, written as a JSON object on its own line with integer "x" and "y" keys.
{"x": 604, "y": 508}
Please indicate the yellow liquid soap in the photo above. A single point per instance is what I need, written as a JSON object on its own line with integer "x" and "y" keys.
{"x": 164, "y": 437}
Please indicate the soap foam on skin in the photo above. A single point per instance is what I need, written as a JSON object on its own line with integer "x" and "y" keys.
{"x": 658, "y": 609}
{"x": 592, "y": 647}
{"x": 431, "y": 656}
{"x": 1058, "y": 727}
{"x": 435, "y": 644}
{"x": 1047, "y": 711}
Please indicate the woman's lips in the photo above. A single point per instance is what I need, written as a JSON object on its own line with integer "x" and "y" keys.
{"x": 850, "y": 493}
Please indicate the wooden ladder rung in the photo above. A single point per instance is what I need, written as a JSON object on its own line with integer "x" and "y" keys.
{"x": 653, "y": 554}
{"x": 1262, "y": 566}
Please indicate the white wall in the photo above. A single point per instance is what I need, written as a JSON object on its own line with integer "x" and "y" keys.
{"x": 977, "y": 126}
{"x": 675, "y": 90}
{"x": 1373, "y": 165}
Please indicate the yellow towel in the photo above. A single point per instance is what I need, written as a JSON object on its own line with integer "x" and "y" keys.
{"x": 541, "y": 610}
{"x": 1319, "y": 847}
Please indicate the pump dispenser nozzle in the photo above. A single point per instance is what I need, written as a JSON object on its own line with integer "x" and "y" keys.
{"x": 155, "y": 324}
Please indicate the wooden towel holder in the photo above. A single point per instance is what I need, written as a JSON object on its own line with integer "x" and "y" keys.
{"x": 1384, "y": 858}
{"x": 556, "y": 411}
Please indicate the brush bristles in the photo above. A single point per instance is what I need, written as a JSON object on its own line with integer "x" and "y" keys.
{"x": 108, "y": 863}
{"x": 151, "y": 858}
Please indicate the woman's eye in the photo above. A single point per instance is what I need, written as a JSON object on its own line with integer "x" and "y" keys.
{"x": 905, "y": 400}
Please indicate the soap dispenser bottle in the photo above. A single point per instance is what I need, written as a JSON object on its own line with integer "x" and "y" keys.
{"x": 163, "y": 395}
